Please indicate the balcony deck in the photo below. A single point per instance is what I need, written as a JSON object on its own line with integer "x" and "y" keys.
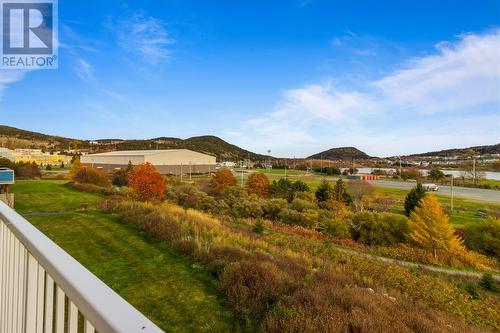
{"x": 44, "y": 289}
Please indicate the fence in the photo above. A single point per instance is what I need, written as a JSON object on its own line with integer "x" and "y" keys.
{"x": 43, "y": 289}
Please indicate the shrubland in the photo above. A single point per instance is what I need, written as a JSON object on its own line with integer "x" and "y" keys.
{"x": 281, "y": 281}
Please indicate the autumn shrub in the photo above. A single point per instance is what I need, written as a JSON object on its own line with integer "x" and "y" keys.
{"x": 378, "y": 202}
{"x": 331, "y": 303}
{"x": 380, "y": 228}
{"x": 146, "y": 183}
{"x": 358, "y": 190}
{"x": 88, "y": 175}
{"x": 28, "y": 171}
{"x": 458, "y": 259}
{"x": 484, "y": 237}
{"x": 252, "y": 287}
{"x": 258, "y": 184}
{"x": 338, "y": 209}
{"x": 120, "y": 177}
{"x": 272, "y": 207}
{"x": 336, "y": 228}
{"x": 307, "y": 218}
{"x": 298, "y": 230}
{"x": 188, "y": 196}
{"x": 302, "y": 205}
{"x": 222, "y": 179}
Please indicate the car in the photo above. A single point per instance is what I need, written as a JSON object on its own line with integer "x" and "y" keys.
{"x": 430, "y": 187}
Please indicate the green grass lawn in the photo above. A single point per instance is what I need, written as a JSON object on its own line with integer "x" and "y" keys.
{"x": 170, "y": 289}
{"x": 281, "y": 171}
{"x": 464, "y": 209}
{"x": 49, "y": 196}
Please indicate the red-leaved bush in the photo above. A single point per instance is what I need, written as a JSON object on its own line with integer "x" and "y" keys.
{"x": 146, "y": 183}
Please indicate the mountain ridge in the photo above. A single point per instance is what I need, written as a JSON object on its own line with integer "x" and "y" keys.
{"x": 341, "y": 153}
{"x": 208, "y": 144}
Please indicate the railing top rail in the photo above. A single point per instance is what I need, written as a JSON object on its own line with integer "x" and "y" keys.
{"x": 104, "y": 308}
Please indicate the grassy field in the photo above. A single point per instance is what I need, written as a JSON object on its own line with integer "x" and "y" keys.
{"x": 281, "y": 172}
{"x": 464, "y": 211}
{"x": 169, "y": 289}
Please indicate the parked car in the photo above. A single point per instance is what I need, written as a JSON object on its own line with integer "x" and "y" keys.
{"x": 430, "y": 187}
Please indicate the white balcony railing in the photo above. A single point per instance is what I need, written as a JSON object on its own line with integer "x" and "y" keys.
{"x": 43, "y": 289}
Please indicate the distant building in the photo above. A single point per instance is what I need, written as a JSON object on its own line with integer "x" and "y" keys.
{"x": 360, "y": 176}
{"x": 226, "y": 165}
{"x": 34, "y": 156}
{"x": 171, "y": 161}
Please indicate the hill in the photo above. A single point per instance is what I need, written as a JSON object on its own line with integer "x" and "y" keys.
{"x": 12, "y": 137}
{"x": 341, "y": 153}
{"x": 491, "y": 149}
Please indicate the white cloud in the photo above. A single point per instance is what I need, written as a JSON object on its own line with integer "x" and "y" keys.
{"x": 409, "y": 108}
{"x": 84, "y": 70}
{"x": 9, "y": 76}
{"x": 462, "y": 75}
{"x": 146, "y": 38}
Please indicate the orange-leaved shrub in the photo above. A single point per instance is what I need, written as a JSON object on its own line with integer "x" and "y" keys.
{"x": 146, "y": 183}
{"x": 222, "y": 179}
{"x": 89, "y": 175}
{"x": 258, "y": 184}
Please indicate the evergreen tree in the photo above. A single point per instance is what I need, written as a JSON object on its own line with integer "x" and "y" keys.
{"x": 340, "y": 193}
{"x": 429, "y": 227}
{"x": 413, "y": 198}
{"x": 324, "y": 191}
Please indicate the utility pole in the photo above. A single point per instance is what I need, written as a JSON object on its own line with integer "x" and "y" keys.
{"x": 190, "y": 166}
{"x": 400, "y": 168}
{"x": 321, "y": 163}
{"x": 474, "y": 169}
{"x": 285, "y": 171}
{"x": 452, "y": 193}
{"x": 269, "y": 160}
{"x": 181, "y": 172}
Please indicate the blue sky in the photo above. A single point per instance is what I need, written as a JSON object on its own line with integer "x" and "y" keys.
{"x": 296, "y": 77}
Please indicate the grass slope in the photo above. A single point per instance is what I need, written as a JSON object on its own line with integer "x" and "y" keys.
{"x": 169, "y": 289}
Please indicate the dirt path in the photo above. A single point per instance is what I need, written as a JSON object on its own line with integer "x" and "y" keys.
{"x": 449, "y": 271}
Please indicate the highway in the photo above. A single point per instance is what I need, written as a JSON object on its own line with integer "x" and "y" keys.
{"x": 458, "y": 192}
{"x": 492, "y": 196}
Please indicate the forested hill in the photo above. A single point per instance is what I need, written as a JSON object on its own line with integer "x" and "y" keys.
{"x": 341, "y": 154}
{"x": 12, "y": 137}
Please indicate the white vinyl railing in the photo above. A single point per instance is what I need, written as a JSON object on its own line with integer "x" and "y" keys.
{"x": 43, "y": 289}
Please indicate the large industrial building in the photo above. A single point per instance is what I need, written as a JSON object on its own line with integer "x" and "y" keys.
{"x": 171, "y": 161}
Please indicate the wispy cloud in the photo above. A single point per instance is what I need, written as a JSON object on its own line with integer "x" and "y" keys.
{"x": 146, "y": 38}
{"x": 461, "y": 78}
{"x": 84, "y": 70}
{"x": 8, "y": 77}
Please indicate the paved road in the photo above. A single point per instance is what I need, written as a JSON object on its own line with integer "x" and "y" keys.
{"x": 459, "y": 192}
{"x": 492, "y": 196}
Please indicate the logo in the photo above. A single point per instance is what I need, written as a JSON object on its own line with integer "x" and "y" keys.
{"x": 28, "y": 30}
